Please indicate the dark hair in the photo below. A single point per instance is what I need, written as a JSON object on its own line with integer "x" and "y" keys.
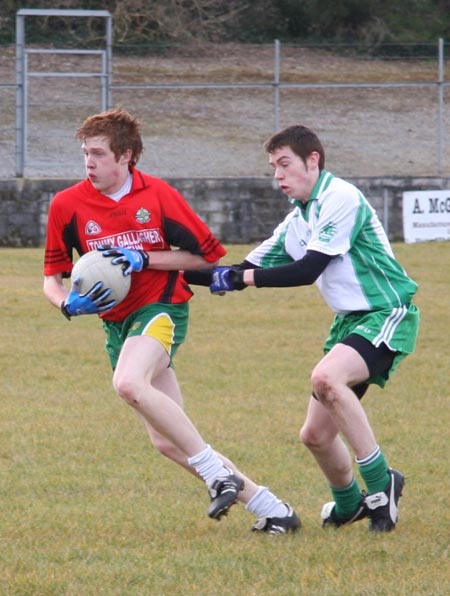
{"x": 120, "y": 128}
{"x": 302, "y": 140}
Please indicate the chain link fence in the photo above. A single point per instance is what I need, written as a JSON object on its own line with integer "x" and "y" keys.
{"x": 206, "y": 110}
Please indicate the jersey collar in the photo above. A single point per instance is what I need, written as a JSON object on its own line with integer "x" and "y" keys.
{"x": 322, "y": 184}
{"x": 138, "y": 180}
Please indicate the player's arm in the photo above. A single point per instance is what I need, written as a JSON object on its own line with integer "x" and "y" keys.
{"x": 54, "y": 289}
{"x": 94, "y": 301}
{"x": 178, "y": 260}
{"x": 303, "y": 272}
{"x": 162, "y": 260}
{"x": 203, "y": 277}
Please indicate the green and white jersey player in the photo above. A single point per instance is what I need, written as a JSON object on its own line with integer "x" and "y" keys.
{"x": 333, "y": 237}
{"x": 338, "y": 221}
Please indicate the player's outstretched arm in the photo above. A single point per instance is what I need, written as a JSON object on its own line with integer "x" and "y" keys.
{"x": 179, "y": 260}
{"x": 204, "y": 277}
{"x": 227, "y": 279}
{"x": 162, "y": 260}
{"x": 299, "y": 273}
{"x": 303, "y": 272}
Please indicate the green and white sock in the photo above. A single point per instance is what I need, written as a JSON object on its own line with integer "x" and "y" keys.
{"x": 374, "y": 471}
{"x": 347, "y": 499}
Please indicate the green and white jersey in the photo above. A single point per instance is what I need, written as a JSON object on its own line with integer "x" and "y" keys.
{"x": 338, "y": 221}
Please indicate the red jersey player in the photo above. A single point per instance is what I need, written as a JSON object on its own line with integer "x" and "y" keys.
{"x": 136, "y": 220}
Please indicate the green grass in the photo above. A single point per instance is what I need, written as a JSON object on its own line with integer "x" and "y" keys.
{"x": 88, "y": 508}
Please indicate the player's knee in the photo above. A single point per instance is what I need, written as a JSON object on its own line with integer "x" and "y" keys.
{"x": 323, "y": 386}
{"x": 127, "y": 389}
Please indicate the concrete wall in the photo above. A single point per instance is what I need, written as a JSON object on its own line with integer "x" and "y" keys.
{"x": 238, "y": 210}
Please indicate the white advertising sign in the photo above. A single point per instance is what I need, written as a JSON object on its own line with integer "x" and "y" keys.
{"x": 426, "y": 215}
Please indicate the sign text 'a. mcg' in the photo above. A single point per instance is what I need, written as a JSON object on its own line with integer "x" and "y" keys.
{"x": 426, "y": 215}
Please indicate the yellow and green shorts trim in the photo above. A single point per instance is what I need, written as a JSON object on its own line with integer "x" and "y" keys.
{"x": 167, "y": 323}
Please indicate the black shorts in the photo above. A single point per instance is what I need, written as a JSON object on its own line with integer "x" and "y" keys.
{"x": 379, "y": 360}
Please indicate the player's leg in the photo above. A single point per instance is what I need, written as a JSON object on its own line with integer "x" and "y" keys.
{"x": 271, "y": 511}
{"x": 140, "y": 350}
{"x": 143, "y": 378}
{"x": 320, "y": 435}
{"x": 350, "y": 364}
{"x": 167, "y": 383}
{"x": 259, "y": 500}
{"x": 332, "y": 378}
{"x": 142, "y": 359}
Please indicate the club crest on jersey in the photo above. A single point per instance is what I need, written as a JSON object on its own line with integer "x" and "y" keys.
{"x": 92, "y": 228}
{"x": 143, "y": 215}
{"x": 327, "y": 232}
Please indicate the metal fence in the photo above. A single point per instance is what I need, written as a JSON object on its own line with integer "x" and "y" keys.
{"x": 206, "y": 110}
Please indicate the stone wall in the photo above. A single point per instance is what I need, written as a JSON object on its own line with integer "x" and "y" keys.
{"x": 238, "y": 210}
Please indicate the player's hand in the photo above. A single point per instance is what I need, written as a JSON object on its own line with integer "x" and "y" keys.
{"x": 130, "y": 259}
{"x": 226, "y": 279}
{"x": 92, "y": 302}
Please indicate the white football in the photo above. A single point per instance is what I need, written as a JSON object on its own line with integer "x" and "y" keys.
{"x": 93, "y": 267}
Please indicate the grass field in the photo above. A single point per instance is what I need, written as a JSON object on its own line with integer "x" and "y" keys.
{"x": 87, "y": 508}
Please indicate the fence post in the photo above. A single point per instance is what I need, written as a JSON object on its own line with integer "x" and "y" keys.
{"x": 20, "y": 96}
{"x": 386, "y": 211}
{"x": 109, "y": 41}
{"x": 276, "y": 87}
{"x": 440, "y": 103}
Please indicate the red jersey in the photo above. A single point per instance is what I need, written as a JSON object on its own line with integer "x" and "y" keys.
{"x": 153, "y": 216}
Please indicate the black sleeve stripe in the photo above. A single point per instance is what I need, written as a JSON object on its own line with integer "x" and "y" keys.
{"x": 180, "y": 236}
